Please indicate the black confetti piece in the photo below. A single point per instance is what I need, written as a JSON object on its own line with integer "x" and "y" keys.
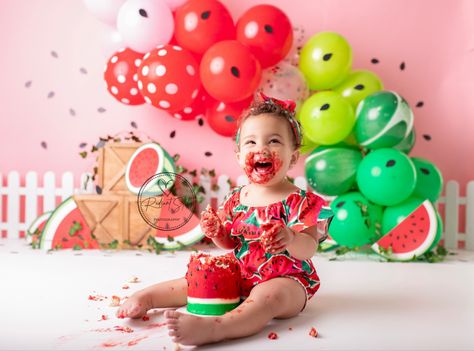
{"x": 44, "y": 145}
{"x": 340, "y": 204}
{"x": 235, "y": 71}
{"x": 51, "y": 94}
{"x": 201, "y": 122}
{"x": 427, "y": 137}
{"x": 229, "y": 118}
{"x": 143, "y": 13}
{"x": 82, "y": 145}
{"x": 173, "y": 134}
{"x": 374, "y": 61}
{"x": 101, "y": 110}
{"x": 133, "y": 124}
{"x": 72, "y": 112}
{"x": 390, "y": 163}
{"x": 54, "y": 54}
{"x": 28, "y": 84}
{"x": 425, "y": 170}
{"x": 83, "y": 70}
{"x": 324, "y": 107}
{"x": 208, "y": 153}
{"x": 268, "y": 28}
{"x": 98, "y": 189}
{"x": 402, "y": 66}
{"x": 359, "y": 87}
{"x": 327, "y": 57}
{"x": 205, "y": 15}
{"x": 420, "y": 104}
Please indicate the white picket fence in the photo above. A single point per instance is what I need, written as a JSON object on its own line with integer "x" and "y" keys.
{"x": 50, "y": 194}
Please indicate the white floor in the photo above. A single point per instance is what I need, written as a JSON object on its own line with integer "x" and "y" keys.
{"x": 361, "y": 305}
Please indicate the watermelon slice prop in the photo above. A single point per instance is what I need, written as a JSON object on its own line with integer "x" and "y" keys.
{"x": 148, "y": 160}
{"x": 324, "y": 217}
{"x": 66, "y": 228}
{"x": 35, "y": 230}
{"x": 412, "y": 237}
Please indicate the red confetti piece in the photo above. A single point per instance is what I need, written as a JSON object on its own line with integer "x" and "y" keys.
{"x": 272, "y": 336}
{"x": 313, "y": 332}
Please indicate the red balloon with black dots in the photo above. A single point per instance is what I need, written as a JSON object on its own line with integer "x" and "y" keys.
{"x": 201, "y": 23}
{"x": 229, "y": 71}
{"x": 267, "y": 31}
{"x": 222, "y": 117}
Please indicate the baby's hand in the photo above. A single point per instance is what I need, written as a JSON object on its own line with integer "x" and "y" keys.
{"x": 211, "y": 223}
{"x": 276, "y": 237}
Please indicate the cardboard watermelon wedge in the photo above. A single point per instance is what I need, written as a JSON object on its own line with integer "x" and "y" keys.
{"x": 34, "y": 231}
{"x": 412, "y": 237}
{"x": 187, "y": 234}
{"x": 148, "y": 160}
{"x": 66, "y": 228}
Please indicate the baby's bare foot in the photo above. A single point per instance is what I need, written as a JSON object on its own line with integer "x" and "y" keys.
{"x": 134, "y": 307}
{"x": 192, "y": 330}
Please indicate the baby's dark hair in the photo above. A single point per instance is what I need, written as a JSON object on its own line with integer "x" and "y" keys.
{"x": 258, "y": 107}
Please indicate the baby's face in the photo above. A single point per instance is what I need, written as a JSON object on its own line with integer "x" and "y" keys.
{"x": 266, "y": 149}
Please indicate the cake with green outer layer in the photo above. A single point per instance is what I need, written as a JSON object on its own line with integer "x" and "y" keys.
{"x": 213, "y": 284}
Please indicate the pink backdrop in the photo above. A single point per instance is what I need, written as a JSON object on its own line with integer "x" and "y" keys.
{"x": 55, "y": 46}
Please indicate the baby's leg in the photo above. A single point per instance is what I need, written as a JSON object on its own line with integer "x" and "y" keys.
{"x": 275, "y": 298}
{"x": 171, "y": 293}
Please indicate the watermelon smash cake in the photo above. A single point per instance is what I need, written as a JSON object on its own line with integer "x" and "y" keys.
{"x": 213, "y": 284}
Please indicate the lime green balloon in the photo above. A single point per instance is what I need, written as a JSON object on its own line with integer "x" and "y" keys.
{"x": 394, "y": 215}
{"x": 406, "y": 145}
{"x": 384, "y": 119}
{"x": 356, "y": 221}
{"x": 429, "y": 181}
{"x": 386, "y": 176}
{"x": 307, "y": 145}
{"x": 358, "y": 85}
{"x": 332, "y": 170}
{"x": 325, "y": 60}
{"x": 327, "y": 118}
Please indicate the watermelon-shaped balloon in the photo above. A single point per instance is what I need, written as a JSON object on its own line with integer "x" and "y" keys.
{"x": 148, "y": 160}
{"x": 332, "y": 170}
{"x": 356, "y": 221}
{"x": 383, "y": 119}
{"x": 406, "y": 145}
{"x": 386, "y": 177}
{"x": 35, "y": 230}
{"x": 412, "y": 237}
{"x": 66, "y": 228}
{"x": 307, "y": 145}
{"x": 429, "y": 181}
{"x": 358, "y": 85}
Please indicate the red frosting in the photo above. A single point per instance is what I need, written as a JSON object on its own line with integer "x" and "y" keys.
{"x": 260, "y": 178}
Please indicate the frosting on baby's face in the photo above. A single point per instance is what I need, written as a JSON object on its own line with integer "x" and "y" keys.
{"x": 266, "y": 149}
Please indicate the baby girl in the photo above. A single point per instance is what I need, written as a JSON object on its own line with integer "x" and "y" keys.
{"x": 268, "y": 223}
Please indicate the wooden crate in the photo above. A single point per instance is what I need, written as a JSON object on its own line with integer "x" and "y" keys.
{"x": 136, "y": 229}
{"x": 112, "y": 163}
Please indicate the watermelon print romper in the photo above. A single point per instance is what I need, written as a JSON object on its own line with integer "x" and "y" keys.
{"x": 298, "y": 211}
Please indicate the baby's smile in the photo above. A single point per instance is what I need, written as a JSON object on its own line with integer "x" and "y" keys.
{"x": 261, "y": 167}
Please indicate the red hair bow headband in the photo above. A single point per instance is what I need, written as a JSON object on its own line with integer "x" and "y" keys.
{"x": 287, "y": 105}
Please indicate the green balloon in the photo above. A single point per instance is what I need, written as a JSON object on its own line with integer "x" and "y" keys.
{"x": 386, "y": 177}
{"x": 358, "y": 85}
{"x": 394, "y": 215}
{"x": 327, "y": 118}
{"x": 406, "y": 145}
{"x": 325, "y": 60}
{"x": 356, "y": 221}
{"x": 332, "y": 170}
{"x": 307, "y": 145}
{"x": 384, "y": 119}
{"x": 429, "y": 181}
